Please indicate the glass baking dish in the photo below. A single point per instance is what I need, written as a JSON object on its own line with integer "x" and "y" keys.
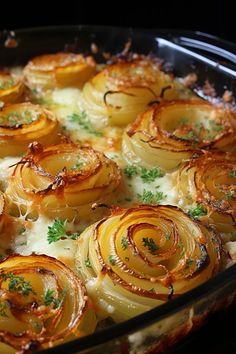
{"x": 211, "y": 58}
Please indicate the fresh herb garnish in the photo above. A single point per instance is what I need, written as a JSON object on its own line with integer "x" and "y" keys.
{"x": 87, "y": 263}
{"x": 17, "y": 284}
{"x": 3, "y": 308}
{"x": 83, "y": 120}
{"x": 111, "y": 260}
{"x": 199, "y": 210}
{"x": 130, "y": 171}
{"x": 189, "y": 263}
{"x": 124, "y": 243}
{"x": 150, "y": 175}
{"x": 232, "y": 173}
{"x": 50, "y": 297}
{"x": 183, "y": 121}
{"x": 167, "y": 236}
{"x": 58, "y": 232}
{"x": 150, "y": 243}
{"x": 5, "y": 84}
{"x": 152, "y": 290}
{"x": 151, "y": 198}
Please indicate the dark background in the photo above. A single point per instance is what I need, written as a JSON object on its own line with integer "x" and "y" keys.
{"x": 215, "y": 17}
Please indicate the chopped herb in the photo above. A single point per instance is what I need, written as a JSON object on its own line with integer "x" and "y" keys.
{"x": 22, "y": 229}
{"x": 111, "y": 260}
{"x": 124, "y": 243}
{"x": 1, "y": 257}
{"x": 127, "y": 259}
{"x": 3, "y": 308}
{"x": 83, "y": 120}
{"x": 150, "y": 175}
{"x": 5, "y": 84}
{"x": 230, "y": 195}
{"x": 17, "y": 284}
{"x": 152, "y": 290}
{"x": 189, "y": 263}
{"x": 150, "y": 243}
{"x": 58, "y": 232}
{"x": 199, "y": 210}
{"x": 37, "y": 326}
{"x": 216, "y": 126}
{"x": 168, "y": 236}
{"x": 130, "y": 171}
{"x": 232, "y": 173}
{"x": 191, "y": 135}
{"x": 233, "y": 234}
{"x": 195, "y": 156}
{"x": 77, "y": 166}
{"x": 181, "y": 246}
{"x": 183, "y": 121}
{"x": 151, "y": 198}
{"x": 50, "y": 297}
{"x": 88, "y": 263}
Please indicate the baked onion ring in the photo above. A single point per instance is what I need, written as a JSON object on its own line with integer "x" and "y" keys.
{"x": 210, "y": 180}
{"x": 11, "y": 89}
{"x": 42, "y": 303}
{"x": 62, "y": 179}
{"x": 59, "y": 70}
{"x": 122, "y": 90}
{"x": 168, "y": 133}
{"x": 139, "y": 258}
{"x": 22, "y": 123}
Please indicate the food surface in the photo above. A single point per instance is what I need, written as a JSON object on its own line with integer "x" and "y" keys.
{"x": 117, "y": 194}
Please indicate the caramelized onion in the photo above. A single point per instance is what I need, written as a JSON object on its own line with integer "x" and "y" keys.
{"x": 22, "y": 123}
{"x": 42, "y": 303}
{"x": 168, "y": 133}
{"x": 122, "y": 90}
{"x": 59, "y": 70}
{"x": 209, "y": 180}
{"x": 62, "y": 179}
{"x": 139, "y": 258}
{"x": 11, "y": 89}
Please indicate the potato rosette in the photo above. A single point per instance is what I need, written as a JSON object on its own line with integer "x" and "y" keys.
{"x": 11, "y": 89}
{"x": 122, "y": 90}
{"x": 168, "y": 133}
{"x": 61, "y": 179}
{"x": 139, "y": 258}
{"x": 208, "y": 181}
{"x": 59, "y": 70}
{"x": 21, "y": 124}
{"x": 42, "y": 303}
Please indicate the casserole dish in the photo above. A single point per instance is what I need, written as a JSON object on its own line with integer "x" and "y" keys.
{"x": 211, "y": 59}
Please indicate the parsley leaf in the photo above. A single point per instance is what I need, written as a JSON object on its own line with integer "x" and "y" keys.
{"x": 151, "y": 198}
{"x": 111, "y": 260}
{"x": 150, "y": 175}
{"x": 199, "y": 210}
{"x": 83, "y": 120}
{"x": 124, "y": 243}
{"x": 232, "y": 173}
{"x": 50, "y": 297}
{"x": 150, "y": 243}
{"x": 17, "y": 284}
{"x": 130, "y": 171}
{"x": 87, "y": 263}
{"x": 3, "y": 308}
{"x": 58, "y": 232}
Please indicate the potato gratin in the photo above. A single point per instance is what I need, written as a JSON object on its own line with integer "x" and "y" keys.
{"x": 117, "y": 194}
